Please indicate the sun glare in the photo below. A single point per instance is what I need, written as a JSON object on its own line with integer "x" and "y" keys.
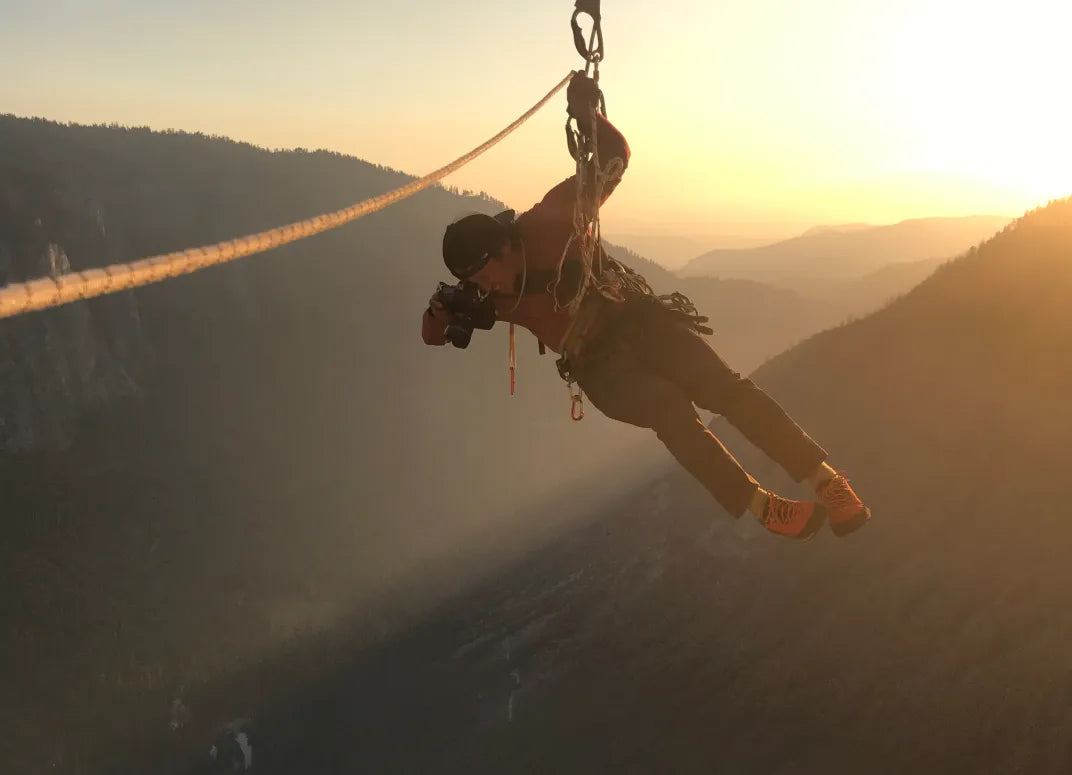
{"x": 990, "y": 101}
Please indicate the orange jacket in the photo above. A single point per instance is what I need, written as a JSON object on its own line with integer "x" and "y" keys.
{"x": 545, "y": 230}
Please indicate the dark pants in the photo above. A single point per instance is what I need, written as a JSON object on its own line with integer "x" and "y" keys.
{"x": 649, "y": 371}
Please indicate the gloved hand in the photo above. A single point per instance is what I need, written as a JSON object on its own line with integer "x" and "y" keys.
{"x": 581, "y": 95}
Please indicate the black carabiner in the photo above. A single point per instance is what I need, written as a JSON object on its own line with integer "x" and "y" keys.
{"x": 595, "y": 53}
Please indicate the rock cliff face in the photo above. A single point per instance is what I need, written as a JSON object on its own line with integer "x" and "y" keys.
{"x": 56, "y": 366}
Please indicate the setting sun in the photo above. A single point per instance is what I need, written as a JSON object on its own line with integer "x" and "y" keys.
{"x": 983, "y": 94}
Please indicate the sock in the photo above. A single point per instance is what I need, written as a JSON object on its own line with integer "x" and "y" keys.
{"x": 823, "y": 474}
{"x": 758, "y": 504}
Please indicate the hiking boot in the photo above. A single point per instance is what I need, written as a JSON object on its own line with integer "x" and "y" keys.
{"x": 844, "y": 509}
{"x": 792, "y": 519}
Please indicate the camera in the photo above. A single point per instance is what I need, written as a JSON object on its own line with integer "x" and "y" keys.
{"x": 469, "y": 308}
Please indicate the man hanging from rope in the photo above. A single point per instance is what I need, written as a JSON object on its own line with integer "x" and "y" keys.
{"x": 640, "y": 358}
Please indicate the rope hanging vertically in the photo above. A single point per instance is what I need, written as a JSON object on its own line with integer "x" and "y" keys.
{"x": 591, "y": 175}
{"x": 582, "y": 143}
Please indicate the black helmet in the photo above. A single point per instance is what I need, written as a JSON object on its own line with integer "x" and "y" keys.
{"x": 469, "y": 242}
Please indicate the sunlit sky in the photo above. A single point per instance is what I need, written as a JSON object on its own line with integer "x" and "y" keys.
{"x": 746, "y": 118}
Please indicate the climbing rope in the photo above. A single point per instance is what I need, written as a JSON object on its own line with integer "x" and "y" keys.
{"x": 45, "y": 292}
{"x": 591, "y": 178}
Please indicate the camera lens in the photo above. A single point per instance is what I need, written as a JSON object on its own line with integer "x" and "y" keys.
{"x": 459, "y": 336}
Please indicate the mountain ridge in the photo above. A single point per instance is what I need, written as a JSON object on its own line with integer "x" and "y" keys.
{"x": 833, "y": 254}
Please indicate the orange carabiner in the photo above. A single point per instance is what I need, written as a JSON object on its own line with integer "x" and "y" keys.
{"x": 576, "y": 410}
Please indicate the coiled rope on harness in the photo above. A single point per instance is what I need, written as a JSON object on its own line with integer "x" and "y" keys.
{"x": 591, "y": 177}
{"x": 601, "y": 274}
{"x": 53, "y": 291}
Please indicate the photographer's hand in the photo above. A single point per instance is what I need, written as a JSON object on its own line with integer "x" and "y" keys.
{"x": 435, "y": 306}
{"x": 434, "y": 322}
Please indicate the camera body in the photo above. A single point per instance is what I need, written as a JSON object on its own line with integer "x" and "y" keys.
{"x": 469, "y": 308}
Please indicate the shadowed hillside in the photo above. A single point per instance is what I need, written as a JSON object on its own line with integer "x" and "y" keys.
{"x": 934, "y": 639}
{"x": 667, "y": 638}
{"x": 198, "y": 470}
{"x": 204, "y": 474}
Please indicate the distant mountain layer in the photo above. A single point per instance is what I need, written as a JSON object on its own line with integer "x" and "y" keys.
{"x": 834, "y": 253}
{"x": 754, "y": 321}
{"x": 838, "y": 227}
{"x": 673, "y": 252}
